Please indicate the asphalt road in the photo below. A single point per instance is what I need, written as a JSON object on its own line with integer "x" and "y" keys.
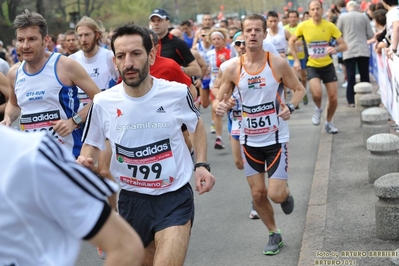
{"x": 222, "y": 233}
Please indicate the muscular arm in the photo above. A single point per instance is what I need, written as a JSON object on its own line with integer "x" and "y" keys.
{"x": 201, "y": 62}
{"x": 291, "y": 43}
{"x": 342, "y": 46}
{"x": 193, "y": 69}
{"x": 288, "y": 77}
{"x": 72, "y": 73}
{"x": 196, "y": 39}
{"x": 5, "y": 90}
{"x": 12, "y": 110}
{"x": 121, "y": 243}
{"x": 204, "y": 181}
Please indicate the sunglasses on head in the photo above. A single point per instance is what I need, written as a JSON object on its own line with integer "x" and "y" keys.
{"x": 238, "y": 43}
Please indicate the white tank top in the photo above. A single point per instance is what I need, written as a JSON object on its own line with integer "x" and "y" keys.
{"x": 100, "y": 68}
{"x": 261, "y": 95}
{"x": 42, "y": 98}
{"x": 278, "y": 40}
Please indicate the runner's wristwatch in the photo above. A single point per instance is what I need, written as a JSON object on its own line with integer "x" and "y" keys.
{"x": 291, "y": 107}
{"x": 77, "y": 119}
{"x": 206, "y": 165}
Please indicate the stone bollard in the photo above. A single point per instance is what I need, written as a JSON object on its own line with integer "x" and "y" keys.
{"x": 395, "y": 259}
{"x": 361, "y": 89}
{"x": 384, "y": 157}
{"x": 374, "y": 121}
{"x": 357, "y": 76}
{"x": 386, "y": 188}
{"x": 367, "y": 101}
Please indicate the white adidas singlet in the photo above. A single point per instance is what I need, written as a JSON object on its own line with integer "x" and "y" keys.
{"x": 149, "y": 154}
{"x": 42, "y": 99}
{"x": 49, "y": 203}
{"x": 100, "y": 68}
{"x": 261, "y": 95}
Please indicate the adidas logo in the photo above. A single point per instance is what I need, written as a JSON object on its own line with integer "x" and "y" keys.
{"x": 161, "y": 110}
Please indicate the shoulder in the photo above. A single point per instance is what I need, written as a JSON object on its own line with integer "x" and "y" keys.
{"x": 170, "y": 88}
{"x": 13, "y": 72}
{"x": 108, "y": 94}
{"x": 232, "y": 66}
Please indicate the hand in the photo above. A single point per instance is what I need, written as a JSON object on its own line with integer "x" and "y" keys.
{"x": 331, "y": 50}
{"x": 6, "y": 122}
{"x": 297, "y": 65}
{"x": 222, "y": 57}
{"x": 204, "y": 180}
{"x": 232, "y": 102}
{"x": 85, "y": 161}
{"x": 223, "y": 106}
{"x": 389, "y": 53}
{"x": 285, "y": 113}
{"x": 64, "y": 127}
{"x": 198, "y": 83}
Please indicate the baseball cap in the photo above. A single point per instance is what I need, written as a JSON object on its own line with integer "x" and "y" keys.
{"x": 160, "y": 12}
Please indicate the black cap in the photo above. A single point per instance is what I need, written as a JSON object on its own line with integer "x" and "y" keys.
{"x": 160, "y": 12}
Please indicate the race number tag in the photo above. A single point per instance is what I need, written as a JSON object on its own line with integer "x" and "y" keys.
{"x": 149, "y": 166}
{"x": 259, "y": 119}
{"x": 318, "y": 49}
{"x": 236, "y": 118}
{"x": 41, "y": 122}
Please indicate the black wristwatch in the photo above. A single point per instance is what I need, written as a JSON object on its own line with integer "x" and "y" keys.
{"x": 291, "y": 107}
{"x": 206, "y": 165}
{"x": 394, "y": 50}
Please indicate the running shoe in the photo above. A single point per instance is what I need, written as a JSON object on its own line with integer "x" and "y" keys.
{"x": 330, "y": 128}
{"x": 317, "y": 116}
{"x": 345, "y": 84}
{"x": 275, "y": 243}
{"x": 305, "y": 99}
{"x": 219, "y": 144}
{"x": 101, "y": 253}
{"x": 253, "y": 214}
{"x": 213, "y": 129}
{"x": 288, "y": 205}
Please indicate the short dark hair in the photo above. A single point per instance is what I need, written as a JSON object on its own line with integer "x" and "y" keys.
{"x": 29, "y": 19}
{"x": 70, "y": 32}
{"x": 293, "y": 12}
{"x": 186, "y": 23}
{"x": 254, "y": 17}
{"x": 154, "y": 37}
{"x": 379, "y": 16}
{"x": 272, "y": 14}
{"x": 390, "y": 2}
{"x": 341, "y": 3}
{"x": 306, "y": 13}
{"x": 132, "y": 29}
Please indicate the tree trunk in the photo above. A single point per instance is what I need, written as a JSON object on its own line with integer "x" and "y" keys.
{"x": 40, "y": 7}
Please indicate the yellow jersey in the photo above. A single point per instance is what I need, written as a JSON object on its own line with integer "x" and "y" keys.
{"x": 299, "y": 47}
{"x": 317, "y": 38}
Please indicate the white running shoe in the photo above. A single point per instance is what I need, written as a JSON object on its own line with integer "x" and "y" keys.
{"x": 330, "y": 128}
{"x": 345, "y": 84}
{"x": 213, "y": 129}
{"x": 253, "y": 214}
{"x": 317, "y": 116}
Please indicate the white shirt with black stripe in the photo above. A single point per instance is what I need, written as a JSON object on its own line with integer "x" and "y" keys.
{"x": 149, "y": 154}
{"x": 48, "y": 203}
